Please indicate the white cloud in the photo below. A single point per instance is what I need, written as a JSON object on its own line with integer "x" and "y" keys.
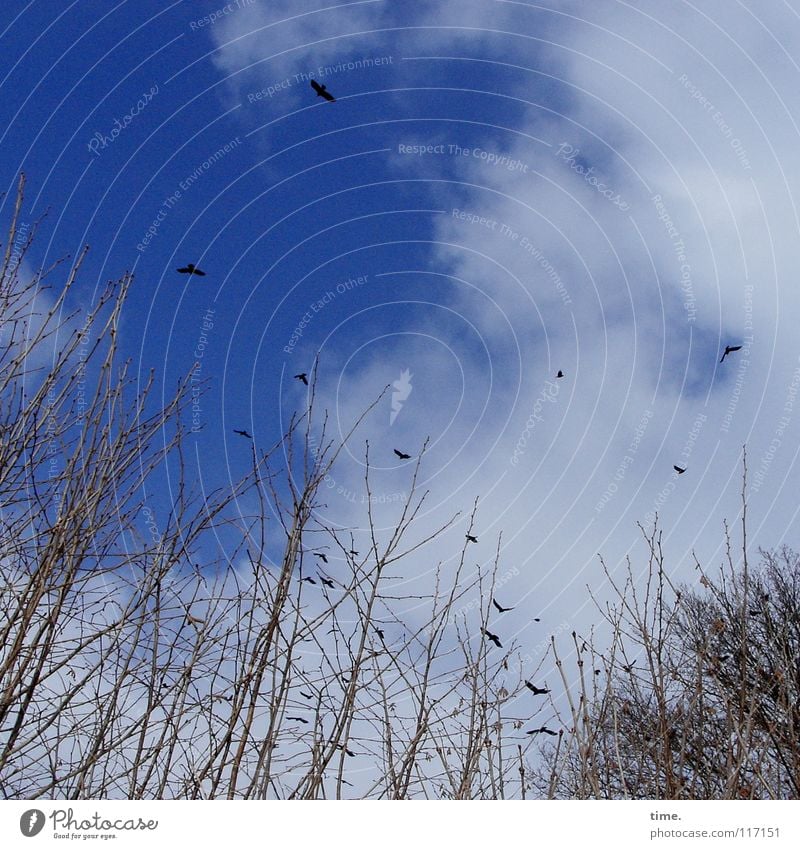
{"x": 263, "y": 45}
{"x": 654, "y": 292}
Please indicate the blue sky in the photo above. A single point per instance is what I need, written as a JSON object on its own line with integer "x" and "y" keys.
{"x": 625, "y": 208}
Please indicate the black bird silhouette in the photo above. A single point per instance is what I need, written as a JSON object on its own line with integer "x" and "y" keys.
{"x": 499, "y": 608}
{"x": 327, "y": 581}
{"x": 321, "y": 556}
{"x": 493, "y": 637}
{"x": 379, "y": 632}
{"x": 346, "y": 750}
{"x": 543, "y": 730}
{"x": 401, "y": 455}
{"x": 303, "y": 376}
{"x": 560, "y": 373}
{"x": 298, "y": 719}
{"x": 729, "y": 349}
{"x": 471, "y": 538}
{"x": 191, "y": 268}
{"x": 310, "y": 580}
{"x": 243, "y": 433}
{"x": 353, "y": 552}
{"x": 679, "y": 470}
{"x": 322, "y": 91}
{"x": 306, "y": 695}
{"x": 537, "y": 691}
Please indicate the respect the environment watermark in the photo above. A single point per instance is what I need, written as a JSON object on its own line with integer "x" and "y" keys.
{"x": 183, "y": 186}
{"x": 318, "y": 73}
{"x": 522, "y": 242}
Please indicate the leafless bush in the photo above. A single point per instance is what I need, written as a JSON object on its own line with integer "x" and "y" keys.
{"x": 698, "y": 695}
{"x": 140, "y": 659}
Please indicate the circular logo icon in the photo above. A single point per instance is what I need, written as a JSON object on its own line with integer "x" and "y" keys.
{"x": 31, "y": 822}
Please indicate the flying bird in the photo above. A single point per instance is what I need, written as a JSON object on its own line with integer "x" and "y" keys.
{"x": 679, "y": 470}
{"x": 537, "y": 691}
{"x": 401, "y": 455}
{"x": 471, "y": 538}
{"x": 310, "y": 580}
{"x": 499, "y": 608}
{"x": 298, "y": 719}
{"x": 729, "y": 349}
{"x": 560, "y": 373}
{"x": 322, "y": 557}
{"x": 353, "y": 552}
{"x": 346, "y": 750}
{"x": 243, "y": 433}
{"x": 327, "y": 581}
{"x": 493, "y": 637}
{"x": 303, "y": 377}
{"x": 191, "y": 268}
{"x": 543, "y": 730}
{"x": 322, "y": 91}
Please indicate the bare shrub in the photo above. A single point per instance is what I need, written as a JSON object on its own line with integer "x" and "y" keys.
{"x": 142, "y": 657}
{"x": 700, "y": 690}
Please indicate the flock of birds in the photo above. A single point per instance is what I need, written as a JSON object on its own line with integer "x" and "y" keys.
{"x": 192, "y": 270}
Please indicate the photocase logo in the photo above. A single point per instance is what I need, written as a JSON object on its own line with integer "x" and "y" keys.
{"x": 403, "y": 389}
{"x": 31, "y": 822}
